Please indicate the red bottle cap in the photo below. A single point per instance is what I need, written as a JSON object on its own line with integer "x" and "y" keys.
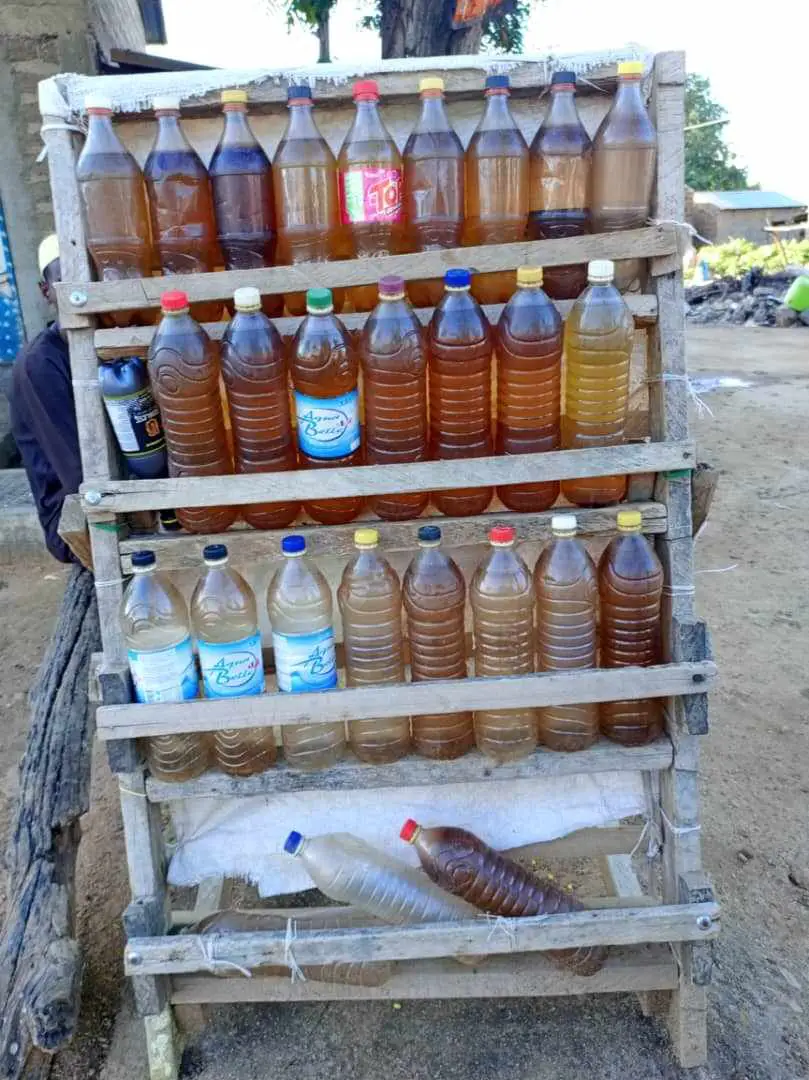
{"x": 502, "y": 534}
{"x": 409, "y": 830}
{"x": 366, "y": 90}
{"x": 174, "y": 300}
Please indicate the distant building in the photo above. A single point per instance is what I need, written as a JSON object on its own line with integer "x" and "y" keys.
{"x": 731, "y": 215}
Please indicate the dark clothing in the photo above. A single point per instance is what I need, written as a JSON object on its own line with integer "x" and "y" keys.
{"x": 43, "y": 420}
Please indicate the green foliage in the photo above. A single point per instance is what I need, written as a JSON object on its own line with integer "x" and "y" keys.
{"x": 503, "y": 26}
{"x": 708, "y": 160}
{"x": 736, "y": 257}
{"x": 308, "y": 13}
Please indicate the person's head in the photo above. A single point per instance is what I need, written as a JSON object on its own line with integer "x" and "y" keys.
{"x": 49, "y": 268}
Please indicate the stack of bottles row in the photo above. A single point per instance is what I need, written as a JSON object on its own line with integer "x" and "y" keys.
{"x": 426, "y": 394}
{"x": 566, "y": 615}
{"x": 244, "y": 212}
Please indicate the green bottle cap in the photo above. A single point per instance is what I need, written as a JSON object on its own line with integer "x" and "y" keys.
{"x": 319, "y": 300}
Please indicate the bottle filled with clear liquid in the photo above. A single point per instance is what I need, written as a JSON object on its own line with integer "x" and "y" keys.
{"x": 567, "y": 630}
{"x": 624, "y": 156}
{"x": 394, "y": 368}
{"x": 184, "y": 370}
{"x": 254, "y": 371}
{"x": 225, "y": 623}
{"x": 460, "y": 346}
{"x": 434, "y": 597}
{"x": 561, "y": 160}
{"x": 370, "y": 172}
{"x": 502, "y": 598}
{"x": 325, "y": 373}
{"x": 599, "y": 338}
{"x": 496, "y": 187}
{"x": 299, "y": 605}
{"x": 433, "y": 186}
{"x": 464, "y": 865}
{"x": 113, "y": 197}
{"x": 370, "y": 599}
{"x": 307, "y": 202}
{"x": 244, "y": 206}
{"x": 529, "y": 385}
{"x": 630, "y": 584}
{"x": 351, "y": 871}
{"x": 156, "y": 628}
{"x": 181, "y": 204}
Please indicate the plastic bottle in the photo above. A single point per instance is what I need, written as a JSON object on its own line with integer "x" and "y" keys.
{"x": 630, "y": 584}
{"x": 352, "y": 872}
{"x": 325, "y": 370}
{"x": 255, "y": 375}
{"x": 244, "y": 207}
{"x": 460, "y": 346}
{"x": 300, "y": 609}
{"x": 624, "y": 154}
{"x": 370, "y": 599}
{"x": 184, "y": 370}
{"x": 394, "y": 367}
{"x": 180, "y": 203}
{"x": 567, "y": 631}
{"x": 225, "y": 623}
{"x": 464, "y": 865}
{"x": 502, "y": 599}
{"x": 370, "y": 172}
{"x": 134, "y": 416}
{"x": 307, "y": 203}
{"x": 599, "y": 338}
{"x": 496, "y": 187}
{"x": 529, "y": 385}
{"x": 433, "y": 186}
{"x": 434, "y": 598}
{"x": 561, "y": 160}
{"x": 154, "y": 620}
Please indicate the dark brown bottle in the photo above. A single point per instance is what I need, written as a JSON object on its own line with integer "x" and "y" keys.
{"x": 465, "y": 866}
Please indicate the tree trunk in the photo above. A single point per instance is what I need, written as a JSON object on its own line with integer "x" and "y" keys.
{"x": 424, "y": 28}
{"x": 323, "y": 37}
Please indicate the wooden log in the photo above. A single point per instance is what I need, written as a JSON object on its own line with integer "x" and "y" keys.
{"x": 40, "y": 963}
{"x": 703, "y": 488}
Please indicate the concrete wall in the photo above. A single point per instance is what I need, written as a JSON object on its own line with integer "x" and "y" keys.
{"x": 749, "y": 224}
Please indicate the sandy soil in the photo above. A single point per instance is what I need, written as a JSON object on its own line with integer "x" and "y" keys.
{"x": 755, "y": 787}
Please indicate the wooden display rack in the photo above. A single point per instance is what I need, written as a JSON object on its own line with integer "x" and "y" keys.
{"x": 661, "y": 940}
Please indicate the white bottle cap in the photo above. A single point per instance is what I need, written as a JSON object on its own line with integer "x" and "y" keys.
{"x": 248, "y": 298}
{"x": 166, "y": 103}
{"x": 97, "y": 101}
{"x": 601, "y": 271}
{"x": 563, "y": 524}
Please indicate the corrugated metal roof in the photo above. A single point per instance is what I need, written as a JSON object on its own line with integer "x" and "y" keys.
{"x": 747, "y": 200}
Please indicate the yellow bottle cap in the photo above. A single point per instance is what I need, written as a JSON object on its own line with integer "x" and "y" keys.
{"x": 234, "y": 97}
{"x": 629, "y": 520}
{"x": 630, "y": 67}
{"x": 431, "y": 83}
{"x": 529, "y": 275}
{"x": 366, "y": 538}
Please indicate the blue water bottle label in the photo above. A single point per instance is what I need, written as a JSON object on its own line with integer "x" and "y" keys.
{"x": 233, "y": 668}
{"x": 162, "y": 675}
{"x": 305, "y": 661}
{"x": 328, "y": 427}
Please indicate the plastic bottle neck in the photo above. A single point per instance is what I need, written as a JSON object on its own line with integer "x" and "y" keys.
{"x": 100, "y": 132}
{"x": 141, "y": 571}
{"x": 628, "y": 96}
{"x": 563, "y": 112}
{"x": 237, "y": 128}
{"x": 497, "y": 114}
{"x": 433, "y": 116}
{"x": 170, "y": 135}
{"x": 301, "y": 120}
{"x": 368, "y": 122}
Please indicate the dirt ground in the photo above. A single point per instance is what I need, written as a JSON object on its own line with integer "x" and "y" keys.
{"x": 753, "y": 564}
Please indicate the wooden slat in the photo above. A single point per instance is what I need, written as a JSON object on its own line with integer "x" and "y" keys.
{"x": 121, "y": 496}
{"x": 639, "y": 968}
{"x": 140, "y": 293}
{"x": 182, "y": 551}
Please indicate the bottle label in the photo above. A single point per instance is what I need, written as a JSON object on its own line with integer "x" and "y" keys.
{"x": 371, "y": 195}
{"x": 305, "y": 661}
{"x": 232, "y": 668}
{"x": 328, "y": 427}
{"x": 136, "y": 422}
{"x": 163, "y": 675}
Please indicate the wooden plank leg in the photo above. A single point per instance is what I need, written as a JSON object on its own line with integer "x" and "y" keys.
{"x": 162, "y": 1046}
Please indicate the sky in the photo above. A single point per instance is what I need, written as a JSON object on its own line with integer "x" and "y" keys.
{"x": 756, "y": 69}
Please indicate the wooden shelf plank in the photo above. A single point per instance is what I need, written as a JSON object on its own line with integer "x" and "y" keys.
{"x": 183, "y": 551}
{"x": 639, "y": 968}
{"x": 135, "y": 721}
{"x": 139, "y": 293}
{"x": 122, "y": 496}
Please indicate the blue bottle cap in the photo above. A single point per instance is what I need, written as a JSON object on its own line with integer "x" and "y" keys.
{"x": 563, "y": 77}
{"x": 429, "y": 534}
{"x": 299, "y": 90}
{"x": 293, "y": 545}
{"x": 143, "y": 558}
{"x": 458, "y": 278}
{"x": 293, "y": 843}
{"x": 214, "y": 552}
{"x": 498, "y": 82}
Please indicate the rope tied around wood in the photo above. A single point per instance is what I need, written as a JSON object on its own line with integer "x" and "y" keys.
{"x": 212, "y": 963}
{"x": 500, "y": 922}
{"x": 701, "y": 405}
{"x": 295, "y": 972}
